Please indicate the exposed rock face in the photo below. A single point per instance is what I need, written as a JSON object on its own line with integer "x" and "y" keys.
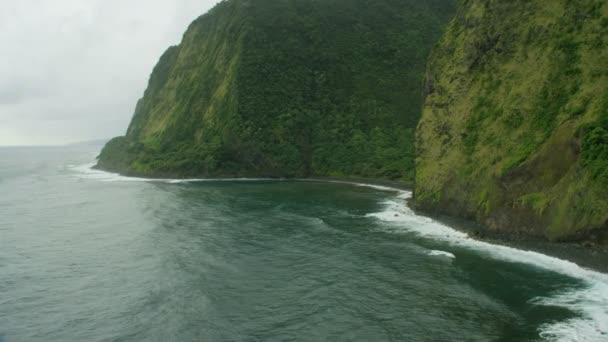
{"x": 514, "y": 131}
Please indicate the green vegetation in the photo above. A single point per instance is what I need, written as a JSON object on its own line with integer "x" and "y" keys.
{"x": 287, "y": 88}
{"x": 595, "y": 153}
{"x": 514, "y": 124}
{"x": 537, "y": 201}
{"x": 514, "y": 130}
{"x": 594, "y": 156}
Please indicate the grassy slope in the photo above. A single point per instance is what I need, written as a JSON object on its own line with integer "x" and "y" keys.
{"x": 514, "y": 131}
{"x": 287, "y": 88}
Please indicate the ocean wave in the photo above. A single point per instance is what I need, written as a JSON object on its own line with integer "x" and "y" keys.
{"x": 441, "y": 253}
{"x": 365, "y": 185}
{"x": 87, "y": 171}
{"x": 590, "y": 302}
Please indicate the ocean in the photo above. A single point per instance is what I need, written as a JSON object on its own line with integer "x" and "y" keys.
{"x": 87, "y": 255}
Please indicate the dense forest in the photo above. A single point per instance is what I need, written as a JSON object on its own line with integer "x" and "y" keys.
{"x": 505, "y": 122}
{"x": 288, "y": 88}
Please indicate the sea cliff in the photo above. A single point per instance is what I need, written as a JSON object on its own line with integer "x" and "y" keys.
{"x": 514, "y": 130}
{"x": 289, "y": 88}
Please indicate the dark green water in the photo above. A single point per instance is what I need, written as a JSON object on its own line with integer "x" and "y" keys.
{"x": 90, "y": 256}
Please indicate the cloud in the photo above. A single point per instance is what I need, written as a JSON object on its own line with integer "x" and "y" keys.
{"x": 11, "y": 95}
{"x": 73, "y": 70}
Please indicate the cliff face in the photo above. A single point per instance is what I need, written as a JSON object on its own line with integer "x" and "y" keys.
{"x": 286, "y": 88}
{"x": 514, "y": 130}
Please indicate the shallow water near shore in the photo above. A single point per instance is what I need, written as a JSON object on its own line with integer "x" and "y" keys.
{"x": 89, "y": 255}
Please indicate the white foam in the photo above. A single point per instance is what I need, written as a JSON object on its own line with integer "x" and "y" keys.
{"x": 86, "y": 171}
{"x": 366, "y": 185}
{"x": 590, "y": 303}
{"x": 441, "y": 254}
{"x": 378, "y": 187}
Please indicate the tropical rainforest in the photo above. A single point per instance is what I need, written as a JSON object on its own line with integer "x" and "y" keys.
{"x": 287, "y": 88}
{"x": 498, "y": 110}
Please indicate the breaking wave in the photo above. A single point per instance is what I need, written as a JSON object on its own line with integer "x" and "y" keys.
{"x": 590, "y": 302}
{"x": 441, "y": 254}
{"x": 87, "y": 171}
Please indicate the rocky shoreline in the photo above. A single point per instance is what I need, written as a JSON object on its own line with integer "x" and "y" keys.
{"x": 585, "y": 254}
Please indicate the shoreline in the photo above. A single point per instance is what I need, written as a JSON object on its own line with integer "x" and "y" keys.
{"x": 351, "y": 180}
{"x": 593, "y": 257}
{"x": 397, "y": 186}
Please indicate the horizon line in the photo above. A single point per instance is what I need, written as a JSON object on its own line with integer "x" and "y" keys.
{"x": 55, "y": 145}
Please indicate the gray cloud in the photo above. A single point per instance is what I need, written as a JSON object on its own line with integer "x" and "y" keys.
{"x": 72, "y": 70}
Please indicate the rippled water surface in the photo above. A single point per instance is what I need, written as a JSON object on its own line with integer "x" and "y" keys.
{"x": 91, "y": 256}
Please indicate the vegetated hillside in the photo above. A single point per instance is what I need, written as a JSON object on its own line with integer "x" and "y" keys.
{"x": 287, "y": 88}
{"x": 514, "y": 131}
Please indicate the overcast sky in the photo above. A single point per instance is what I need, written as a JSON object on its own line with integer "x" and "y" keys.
{"x": 72, "y": 70}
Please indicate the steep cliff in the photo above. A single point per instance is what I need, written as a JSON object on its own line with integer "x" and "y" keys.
{"x": 287, "y": 88}
{"x": 514, "y": 131}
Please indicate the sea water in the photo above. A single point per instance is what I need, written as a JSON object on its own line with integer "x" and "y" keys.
{"x": 87, "y": 255}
